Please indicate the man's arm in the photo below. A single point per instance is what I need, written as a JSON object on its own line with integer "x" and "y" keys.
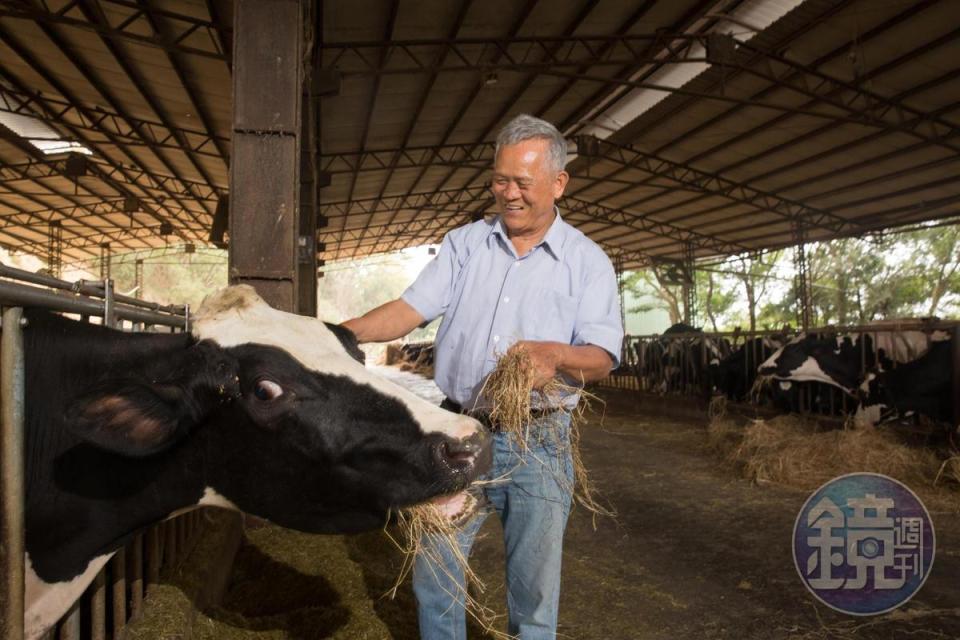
{"x": 585, "y": 363}
{"x": 387, "y": 322}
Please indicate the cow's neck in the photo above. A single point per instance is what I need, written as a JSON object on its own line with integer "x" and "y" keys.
{"x": 83, "y": 501}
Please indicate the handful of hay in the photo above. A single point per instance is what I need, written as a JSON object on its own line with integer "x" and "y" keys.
{"x": 511, "y": 394}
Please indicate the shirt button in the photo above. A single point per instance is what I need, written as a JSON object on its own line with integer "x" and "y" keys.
{"x": 517, "y": 263}
{"x": 506, "y": 298}
{"x": 496, "y": 338}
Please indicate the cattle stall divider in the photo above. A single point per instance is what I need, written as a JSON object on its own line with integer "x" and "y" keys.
{"x": 663, "y": 364}
{"x": 117, "y": 592}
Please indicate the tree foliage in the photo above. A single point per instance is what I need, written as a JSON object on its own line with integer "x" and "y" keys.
{"x": 855, "y": 280}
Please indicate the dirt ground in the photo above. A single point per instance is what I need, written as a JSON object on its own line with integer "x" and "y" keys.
{"x": 695, "y": 552}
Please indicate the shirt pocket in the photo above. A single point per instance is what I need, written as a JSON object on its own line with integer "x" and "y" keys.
{"x": 554, "y": 316}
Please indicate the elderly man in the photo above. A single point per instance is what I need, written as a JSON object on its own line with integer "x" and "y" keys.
{"x": 525, "y": 280}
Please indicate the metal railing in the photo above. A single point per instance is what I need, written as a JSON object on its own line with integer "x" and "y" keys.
{"x": 117, "y": 592}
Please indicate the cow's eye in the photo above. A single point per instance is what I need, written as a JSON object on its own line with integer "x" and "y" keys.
{"x": 267, "y": 390}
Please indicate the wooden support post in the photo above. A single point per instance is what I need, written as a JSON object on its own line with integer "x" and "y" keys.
{"x": 265, "y": 168}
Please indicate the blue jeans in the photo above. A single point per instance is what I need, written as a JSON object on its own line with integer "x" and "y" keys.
{"x": 533, "y": 504}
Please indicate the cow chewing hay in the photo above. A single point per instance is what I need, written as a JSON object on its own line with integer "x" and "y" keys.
{"x": 428, "y": 519}
{"x": 509, "y": 388}
{"x": 792, "y": 451}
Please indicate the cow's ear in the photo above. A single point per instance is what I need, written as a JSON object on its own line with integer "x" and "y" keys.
{"x": 145, "y": 416}
{"x": 133, "y": 420}
{"x": 348, "y": 340}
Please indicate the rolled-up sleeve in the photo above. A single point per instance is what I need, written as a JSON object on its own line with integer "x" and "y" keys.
{"x": 430, "y": 293}
{"x": 598, "y": 316}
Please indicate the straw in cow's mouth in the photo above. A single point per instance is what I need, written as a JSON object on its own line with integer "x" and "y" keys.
{"x": 427, "y": 527}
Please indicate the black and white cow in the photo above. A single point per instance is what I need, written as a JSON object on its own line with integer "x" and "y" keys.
{"x": 681, "y": 357}
{"x": 922, "y": 386}
{"x": 734, "y": 375}
{"x": 256, "y": 410}
{"x": 838, "y": 361}
{"x": 842, "y": 361}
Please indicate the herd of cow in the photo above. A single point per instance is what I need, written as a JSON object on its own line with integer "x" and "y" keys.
{"x": 274, "y": 414}
{"x": 879, "y": 375}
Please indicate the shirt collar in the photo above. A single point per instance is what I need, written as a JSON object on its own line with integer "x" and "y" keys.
{"x": 553, "y": 240}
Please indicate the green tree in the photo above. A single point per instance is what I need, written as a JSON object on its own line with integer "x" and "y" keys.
{"x": 666, "y": 296}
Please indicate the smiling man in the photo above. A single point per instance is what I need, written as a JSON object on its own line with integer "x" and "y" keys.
{"x": 523, "y": 280}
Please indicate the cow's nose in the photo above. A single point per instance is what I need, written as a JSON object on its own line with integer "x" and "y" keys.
{"x": 461, "y": 454}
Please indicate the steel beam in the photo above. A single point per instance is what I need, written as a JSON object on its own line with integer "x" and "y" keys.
{"x": 621, "y": 218}
{"x": 102, "y": 89}
{"x": 129, "y": 131}
{"x": 129, "y": 30}
{"x": 374, "y": 93}
{"x": 527, "y": 54}
{"x": 714, "y": 184}
{"x": 447, "y": 199}
{"x": 40, "y": 168}
{"x": 12, "y": 480}
{"x": 189, "y": 86}
{"x": 464, "y": 107}
{"x": 61, "y": 88}
{"x": 692, "y": 15}
{"x": 878, "y": 30}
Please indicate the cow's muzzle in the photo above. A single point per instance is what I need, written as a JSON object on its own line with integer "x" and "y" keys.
{"x": 470, "y": 456}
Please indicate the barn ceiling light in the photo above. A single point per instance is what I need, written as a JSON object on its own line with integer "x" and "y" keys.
{"x": 34, "y": 130}
{"x": 623, "y": 106}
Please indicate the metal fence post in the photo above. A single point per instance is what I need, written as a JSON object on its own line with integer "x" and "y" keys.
{"x": 11, "y": 475}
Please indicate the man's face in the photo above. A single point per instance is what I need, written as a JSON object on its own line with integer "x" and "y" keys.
{"x": 525, "y": 186}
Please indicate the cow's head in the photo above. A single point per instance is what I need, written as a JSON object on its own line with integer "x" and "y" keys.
{"x": 874, "y": 406}
{"x": 284, "y": 423}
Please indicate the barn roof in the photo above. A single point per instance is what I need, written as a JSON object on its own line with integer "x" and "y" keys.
{"x": 697, "y": 127}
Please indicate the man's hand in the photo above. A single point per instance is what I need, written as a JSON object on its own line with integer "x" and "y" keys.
{"x": 583, "y": 363}
{"x": 546, "y": 358}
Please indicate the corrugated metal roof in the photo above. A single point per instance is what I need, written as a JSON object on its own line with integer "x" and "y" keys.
{"x": 838, "y": 117}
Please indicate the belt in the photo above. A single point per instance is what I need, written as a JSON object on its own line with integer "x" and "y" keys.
{"x": 484, "y": 416}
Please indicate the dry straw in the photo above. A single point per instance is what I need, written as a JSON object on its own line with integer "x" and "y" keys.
{"x": 509, "y": 390}
{"x": 797, "y": 452}
{"x": 511, "y": 396}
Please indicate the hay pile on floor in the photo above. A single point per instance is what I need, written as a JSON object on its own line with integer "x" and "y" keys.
{"x": 796, "y": 452}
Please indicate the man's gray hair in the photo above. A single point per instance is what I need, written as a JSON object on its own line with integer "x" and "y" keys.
{"x": 526, "y": 127}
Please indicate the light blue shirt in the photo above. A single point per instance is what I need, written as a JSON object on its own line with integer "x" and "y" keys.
{"x": 563, "y": 290}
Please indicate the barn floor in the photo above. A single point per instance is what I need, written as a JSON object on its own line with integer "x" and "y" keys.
{"x": 695, "y": 551}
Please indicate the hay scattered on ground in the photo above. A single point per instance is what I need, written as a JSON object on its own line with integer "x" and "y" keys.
{"x": 288, "y": 584}
{"x": 797, "y": 452}
{"x": 284, "y": 585}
